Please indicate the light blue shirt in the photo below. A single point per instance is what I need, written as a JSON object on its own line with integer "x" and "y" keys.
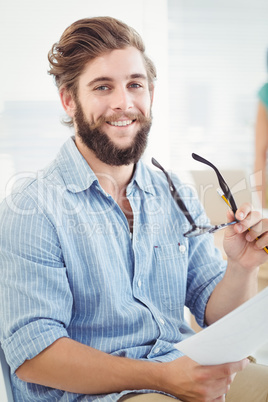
{"x": 69, "y": 267}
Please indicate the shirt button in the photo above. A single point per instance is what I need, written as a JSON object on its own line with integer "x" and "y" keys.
{"x": 162, "y": 321}
{"x": 157, "y": 350}
{"x": 182, "y": 248}
{"x": 139, "y": 283}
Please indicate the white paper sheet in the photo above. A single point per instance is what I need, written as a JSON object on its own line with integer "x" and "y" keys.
{"x": 233, "y": 337}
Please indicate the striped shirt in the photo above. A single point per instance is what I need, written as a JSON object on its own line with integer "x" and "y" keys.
{"x": 69, "y": 267}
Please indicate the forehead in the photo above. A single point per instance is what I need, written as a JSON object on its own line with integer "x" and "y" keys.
{"x": 116, "y": 64}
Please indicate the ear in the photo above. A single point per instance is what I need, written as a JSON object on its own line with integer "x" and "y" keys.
{"x": 67, "y": 101}
{"x": 151, "y": 89}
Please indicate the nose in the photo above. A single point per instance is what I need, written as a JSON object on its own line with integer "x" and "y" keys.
{"x": 121, "y": 99}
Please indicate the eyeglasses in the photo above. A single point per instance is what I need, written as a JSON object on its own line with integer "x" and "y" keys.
{"x": 197, "y": 230}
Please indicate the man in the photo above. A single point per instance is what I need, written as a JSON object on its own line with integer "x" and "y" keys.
{"x": 95, "y": 270}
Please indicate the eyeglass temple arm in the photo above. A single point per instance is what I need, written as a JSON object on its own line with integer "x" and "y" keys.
{"x": 175, "y": 194}
{"x": 222, "y": 182}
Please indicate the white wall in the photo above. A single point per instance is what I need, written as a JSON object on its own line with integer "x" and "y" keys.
{"x": 30, "y": 111}
{"x": 217, "y": 55}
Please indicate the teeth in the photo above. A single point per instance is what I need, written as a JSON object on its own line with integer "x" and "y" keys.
{"x": 120, "y": 123}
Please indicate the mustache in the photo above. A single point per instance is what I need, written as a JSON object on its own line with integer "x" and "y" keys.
{"x": 140, "y": 118}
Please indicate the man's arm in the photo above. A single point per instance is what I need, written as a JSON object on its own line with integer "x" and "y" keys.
{"x": 244, "y": 254}
{"x": 73, "y": 367}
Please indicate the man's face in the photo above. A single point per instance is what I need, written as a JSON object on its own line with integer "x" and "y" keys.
{"x": 112, "y": 113}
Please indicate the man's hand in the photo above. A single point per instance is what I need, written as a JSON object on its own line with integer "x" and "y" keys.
{"x": 240, "y": 242}
{"x": 244, "y": 254}
{"x": 189, "y": 381}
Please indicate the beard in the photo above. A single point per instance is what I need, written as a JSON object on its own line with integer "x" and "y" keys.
{"x": 103, "y": 147}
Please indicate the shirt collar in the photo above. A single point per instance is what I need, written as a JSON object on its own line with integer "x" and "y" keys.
{"x": 78, "y": 176}
{"x": 142, "y": 178}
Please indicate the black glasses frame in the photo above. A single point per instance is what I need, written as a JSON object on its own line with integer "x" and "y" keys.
{"x": 197, "y": 230}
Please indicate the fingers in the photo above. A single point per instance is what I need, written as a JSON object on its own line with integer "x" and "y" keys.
{"x": 240, "y": 214}
{"x": 251, "y": 221}
{"x": 229, "y": 369}
{"x": 195, "y": 382}
{"x": 220, "y": 398}
{"x": 259, "y": 233}
{"x": 247, "y": 218}
{"x": 227, "y": 373}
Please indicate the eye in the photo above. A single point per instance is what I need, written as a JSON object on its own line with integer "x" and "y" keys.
{"x": 102, "y": 88}
{"x": 135, "y": 85}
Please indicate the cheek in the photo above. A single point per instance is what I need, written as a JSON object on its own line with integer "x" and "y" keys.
{"x": 145, "y": 106}
{"x": 93, "y": 110}
{"x": 97, "y": 108}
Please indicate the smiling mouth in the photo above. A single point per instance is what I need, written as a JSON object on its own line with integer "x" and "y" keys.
{"x": 120, "y": 123}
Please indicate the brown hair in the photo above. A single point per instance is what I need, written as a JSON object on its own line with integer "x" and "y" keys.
{"x": 87, "y": 39}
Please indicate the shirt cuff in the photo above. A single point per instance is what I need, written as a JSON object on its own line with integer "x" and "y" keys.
{"x": 30, "y": 340}
{"x": 203, "y": 300}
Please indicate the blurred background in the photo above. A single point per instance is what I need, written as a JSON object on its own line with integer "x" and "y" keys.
{"x": 211, "y": 62}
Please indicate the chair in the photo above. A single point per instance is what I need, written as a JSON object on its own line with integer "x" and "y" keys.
{"x": 5, "y": 384}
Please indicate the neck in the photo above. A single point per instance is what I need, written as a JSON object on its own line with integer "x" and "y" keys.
{"x": 113, "y": 179}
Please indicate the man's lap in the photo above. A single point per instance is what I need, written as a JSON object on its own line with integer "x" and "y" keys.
{"x": 249, "y": 385}
{"x": 151, "y": 397}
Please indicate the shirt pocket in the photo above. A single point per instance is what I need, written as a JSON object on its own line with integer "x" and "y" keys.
{"x": 171, "y": 274}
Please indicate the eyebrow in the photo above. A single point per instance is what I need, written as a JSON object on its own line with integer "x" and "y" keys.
{"x": 109, "y": 79}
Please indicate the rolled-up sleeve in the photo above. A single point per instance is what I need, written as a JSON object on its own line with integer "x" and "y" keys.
{"x": 205, "y": 265}
{"x": 35, "y": 297}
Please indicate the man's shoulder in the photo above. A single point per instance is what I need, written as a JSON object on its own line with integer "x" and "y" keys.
{"x": 34, "y": 188}
{"x": 51, "y": 176}
{"x": 30, "y": 195}
{"x": 33, "y": 184}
